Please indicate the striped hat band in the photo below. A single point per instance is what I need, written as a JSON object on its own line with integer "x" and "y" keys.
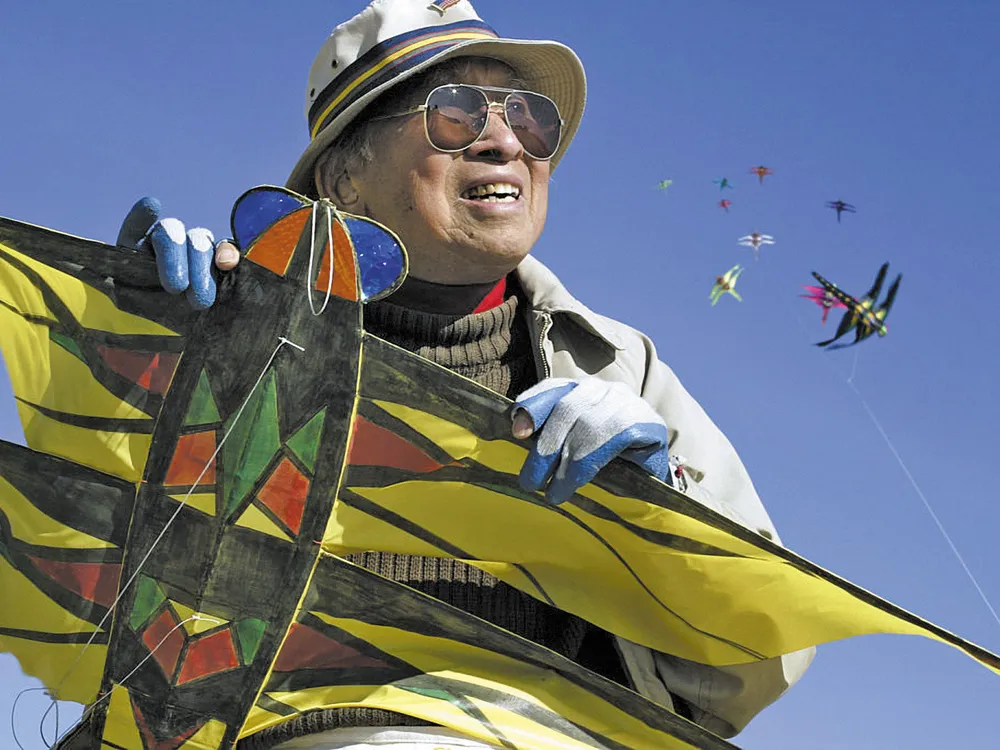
{"x": 386, "y": 61}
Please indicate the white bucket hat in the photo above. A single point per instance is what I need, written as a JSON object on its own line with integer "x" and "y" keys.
{"x": 392, "y": 40}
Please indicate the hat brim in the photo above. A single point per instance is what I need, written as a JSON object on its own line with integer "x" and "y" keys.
{"x": 547, "y": 67}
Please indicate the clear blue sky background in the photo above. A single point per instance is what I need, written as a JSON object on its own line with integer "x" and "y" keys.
{"x": 889, "y": 106}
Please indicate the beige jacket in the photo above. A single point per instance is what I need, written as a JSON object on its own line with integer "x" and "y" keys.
{"x": 573, "y": 341}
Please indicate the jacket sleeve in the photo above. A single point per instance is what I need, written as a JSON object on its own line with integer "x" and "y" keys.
{"x": 722, "y": 699}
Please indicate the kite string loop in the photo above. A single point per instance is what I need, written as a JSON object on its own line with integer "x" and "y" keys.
{"x": 312, "y": 257}
{"x": 909, "y": 475}
{"x": 282, "y": 341}
{"x": 41, "y": 724}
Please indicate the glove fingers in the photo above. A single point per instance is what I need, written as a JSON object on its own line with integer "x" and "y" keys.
{"x": 200, "y": 253}
{"x": 552, "y": 454}
{"x": 140, "y": 218}
{"x": 537, "y": 469}
{"x": 649, "y": 450}
{"x": 169, "y": 243}
{"x": 576, "y": 470}
{"x": 584, "y": 420}
{"x": 573, "y": 421}
{"x": 642, "y": 444}
{"x": 539, "y": 401}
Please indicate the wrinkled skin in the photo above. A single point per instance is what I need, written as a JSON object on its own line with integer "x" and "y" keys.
{"x": 416, "y": 190}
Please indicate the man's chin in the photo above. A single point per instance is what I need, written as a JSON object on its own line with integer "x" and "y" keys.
{"x": 485, "y": 263}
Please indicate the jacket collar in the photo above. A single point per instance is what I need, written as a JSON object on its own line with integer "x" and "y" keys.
{"x": 547, "y": 294}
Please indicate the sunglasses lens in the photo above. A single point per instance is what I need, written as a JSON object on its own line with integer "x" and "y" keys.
{"x": 535, "y": 121}
{"x": 456, "y": 115}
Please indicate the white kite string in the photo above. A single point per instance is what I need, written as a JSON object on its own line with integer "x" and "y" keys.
{"x": 312, "y": 257}
{"x": 913, "y": 482}
{"x": 52, "y": 693}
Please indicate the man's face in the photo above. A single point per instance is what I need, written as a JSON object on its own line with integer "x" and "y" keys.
{"x": 428, "y": 197}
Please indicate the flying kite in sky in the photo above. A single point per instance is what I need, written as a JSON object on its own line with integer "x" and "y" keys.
{"x": 755, "y": 240}
{"x": 723, "y": 183}
{"x": 761, "y": 172}
{"x": 824, "y": 298}
{"x": 840, "y": 207}
{"x": 862, "y": 315}
{"x": 664, "y": 184}
{"x": 725, "y": 203}
{"x": 726, "y": 283}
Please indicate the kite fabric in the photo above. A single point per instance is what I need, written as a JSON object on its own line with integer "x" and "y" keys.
{"x": 174, "y": 533}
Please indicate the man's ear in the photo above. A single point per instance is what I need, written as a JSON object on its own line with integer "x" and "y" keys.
{"x": 337, "y": 187}
{"x": 345, "y": 193}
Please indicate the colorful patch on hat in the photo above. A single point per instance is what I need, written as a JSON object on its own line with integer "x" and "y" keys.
{"x": 442, "y": 5}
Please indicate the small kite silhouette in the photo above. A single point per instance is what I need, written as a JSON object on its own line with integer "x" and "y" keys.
{"x": 840, "y": 207}
{"x": 726, "y": 284}
{"x": 755, "y": 240}
{"x": 761, "y": 172}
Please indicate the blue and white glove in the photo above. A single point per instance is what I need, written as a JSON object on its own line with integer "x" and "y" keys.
{"x": 581, "y": 426}
{"x": 183, "y": 258}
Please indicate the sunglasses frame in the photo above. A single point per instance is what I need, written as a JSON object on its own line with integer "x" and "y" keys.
{"x": 490, "y": 105}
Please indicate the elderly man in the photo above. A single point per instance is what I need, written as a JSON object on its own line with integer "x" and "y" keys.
{"x": 423, "y": 119}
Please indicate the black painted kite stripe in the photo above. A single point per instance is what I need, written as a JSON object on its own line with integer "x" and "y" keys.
{"x": 40, "y": 320}
{"x": 101, "y": 638}
{"x": 363, "y": 504}
{"x": 105, "y": 555}
{"x": 140, "y": 342}
{"x": 268, "y": 703}
{"x": 104, "y": 424}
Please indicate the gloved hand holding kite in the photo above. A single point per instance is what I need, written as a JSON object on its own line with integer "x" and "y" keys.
{"x": 183, "y": 257}
{"x": 581, "y": 426}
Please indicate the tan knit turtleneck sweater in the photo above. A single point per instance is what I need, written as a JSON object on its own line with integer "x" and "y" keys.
{"x": 494, "y": 349}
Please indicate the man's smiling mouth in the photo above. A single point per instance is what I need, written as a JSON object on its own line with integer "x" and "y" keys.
{"x": 493, "y": 192}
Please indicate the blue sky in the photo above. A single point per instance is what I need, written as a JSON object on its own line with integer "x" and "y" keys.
{"x": 892, "y": 110}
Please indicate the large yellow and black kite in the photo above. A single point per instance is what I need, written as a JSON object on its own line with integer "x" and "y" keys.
{"x": 172, "y": 541}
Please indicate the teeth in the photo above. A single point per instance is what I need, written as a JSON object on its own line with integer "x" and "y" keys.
{"x": 493, "y": 192}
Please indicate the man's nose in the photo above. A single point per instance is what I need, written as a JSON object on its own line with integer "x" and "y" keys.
{"x": 498, "y": 141}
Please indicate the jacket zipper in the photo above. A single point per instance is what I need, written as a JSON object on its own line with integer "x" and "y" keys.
{"x": 546, "y": 369}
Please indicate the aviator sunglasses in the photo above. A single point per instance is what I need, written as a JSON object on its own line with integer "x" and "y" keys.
{"x": 455, "y": 117}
